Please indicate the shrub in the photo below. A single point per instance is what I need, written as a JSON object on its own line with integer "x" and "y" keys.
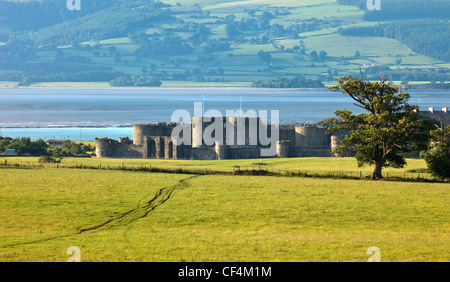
{"x": 49, "y": 159}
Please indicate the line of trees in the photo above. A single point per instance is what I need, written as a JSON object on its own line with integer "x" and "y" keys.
{"x": 131, "y": 81}
{"x": 25, "y": 147}
{"x": 296, "y": 82}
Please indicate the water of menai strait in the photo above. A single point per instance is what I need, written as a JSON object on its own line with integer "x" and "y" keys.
{"x": 83, "y": 114}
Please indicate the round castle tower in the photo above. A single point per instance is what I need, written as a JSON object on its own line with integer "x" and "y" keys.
{"x": 283, "y": 148}
{"x": 199, "y": 124}
{"x": 104, "y": 148}
{"x": 141, "y": 130}
{"x": 251, "y": 127}
{"x": 221, "y": 151}
{"x": 310, "y": 136}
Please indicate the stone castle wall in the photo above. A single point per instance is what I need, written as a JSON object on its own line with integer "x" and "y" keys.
{"x": 440, "y": 116}
{"x": 108, "y": 148}
{"x": 155, "y": 141}
{"x": 142, "y": 130}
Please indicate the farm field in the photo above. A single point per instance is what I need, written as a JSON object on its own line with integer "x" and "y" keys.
{"x": 114, "y": 215}
{"x": 346, "y": 166}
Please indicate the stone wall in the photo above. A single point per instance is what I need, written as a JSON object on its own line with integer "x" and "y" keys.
{"x": 440, "y": 116}
{"x": 201, "y": 153}
{"x": 244, "y": 152}
{"x": 287, "y": 133}
{"x": 154, "y": 141}
{"x": 310, "y": 152}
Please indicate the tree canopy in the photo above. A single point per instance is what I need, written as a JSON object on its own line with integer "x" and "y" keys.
{"x": 438, "y": 153}
{"x": 388, "y": 126}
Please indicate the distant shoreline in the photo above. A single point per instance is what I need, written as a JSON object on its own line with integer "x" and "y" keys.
{"x": 66, "y": 127}
{"x": 164, "y": 88}
{"x": 417, "y": 87}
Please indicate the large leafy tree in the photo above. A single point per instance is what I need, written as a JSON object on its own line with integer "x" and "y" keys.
{"x": 388, "y": 126}
{"x": 438, "y": 153}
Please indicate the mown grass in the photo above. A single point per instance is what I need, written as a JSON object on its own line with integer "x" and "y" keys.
{"x": 220, "y": 218}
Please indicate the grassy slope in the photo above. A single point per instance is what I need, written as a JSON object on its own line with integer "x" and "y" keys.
{"x": 220, "y": 218}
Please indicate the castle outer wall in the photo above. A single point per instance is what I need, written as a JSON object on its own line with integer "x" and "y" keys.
{"x": 155, "y": 141}
{"x": 439, "y": 116}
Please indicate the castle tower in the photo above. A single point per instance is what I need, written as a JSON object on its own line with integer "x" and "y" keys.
{"x": 243, "y": 131}
{"x": 104, "y": 148}
{"x": 221, "y": 151}
{"x": 283, "y": 148}
{"x": 311, "y": 136}
{"x": 200, "y": 124}
{"x": 335, "y": 142}
{"x": 141, "y": 130}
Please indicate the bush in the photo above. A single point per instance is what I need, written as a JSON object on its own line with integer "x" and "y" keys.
{"x": 438, "y": 154}
{"x": 71, "y": 149}
{"x": 49, "y": 160}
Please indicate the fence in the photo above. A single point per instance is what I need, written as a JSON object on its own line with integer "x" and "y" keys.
{"x": 254, "y": 171}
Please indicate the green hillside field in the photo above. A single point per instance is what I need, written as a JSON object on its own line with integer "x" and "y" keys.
{"x": 114, "y": 215}
{"x": 241, "y": 65}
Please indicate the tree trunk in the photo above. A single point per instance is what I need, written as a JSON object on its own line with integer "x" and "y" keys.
{"x": 377, "y": 171}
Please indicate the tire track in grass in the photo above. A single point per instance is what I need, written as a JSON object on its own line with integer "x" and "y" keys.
{"x": 161, "y": 197}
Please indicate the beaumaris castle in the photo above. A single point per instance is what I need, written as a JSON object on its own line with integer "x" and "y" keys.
{"x": 237, "y": 141}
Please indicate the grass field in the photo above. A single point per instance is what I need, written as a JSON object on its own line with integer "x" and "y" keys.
{"x": 137, "y": 216}
{"x": 347, "y": 166}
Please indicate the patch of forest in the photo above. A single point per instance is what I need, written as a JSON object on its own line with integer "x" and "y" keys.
{"x": 108, "y": 23}
{"x": 33, "y": 15}
{"x": 403, "y": 9}
{"x": 430, "y": 38}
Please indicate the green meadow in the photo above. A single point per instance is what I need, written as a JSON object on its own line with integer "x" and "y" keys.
{"x": 114, "y": 215}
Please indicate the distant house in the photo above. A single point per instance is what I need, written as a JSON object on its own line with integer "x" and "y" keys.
{"x": 10, "y": 152}
{"x": 57, "y": 143}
